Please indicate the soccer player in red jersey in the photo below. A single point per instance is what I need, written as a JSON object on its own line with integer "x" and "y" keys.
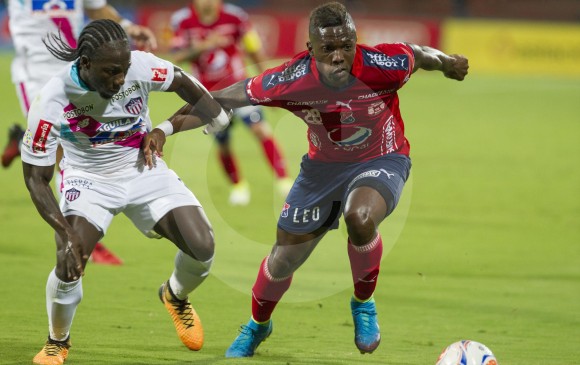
{"x": 357, "y": 162}
{"x": 214, "y": 37}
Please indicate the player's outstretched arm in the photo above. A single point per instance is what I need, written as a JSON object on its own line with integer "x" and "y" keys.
{"x": 202, "y": 110}
{"x": 37, "y": 179}
{"x": 453, "y": 66}
{"x": 233, "y": 96}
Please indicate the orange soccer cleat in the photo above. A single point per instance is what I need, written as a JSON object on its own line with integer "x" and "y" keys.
{"x": 53, "y": 353}
{"x": 186, "y": 321}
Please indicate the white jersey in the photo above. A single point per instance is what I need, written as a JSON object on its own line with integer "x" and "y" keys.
{"x": 29, "y": 22}
{"x": 97, "y": 135}
{"x": 38, "y": 17}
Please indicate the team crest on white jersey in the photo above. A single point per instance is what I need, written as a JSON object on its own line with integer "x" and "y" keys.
{"x": 72, "y": 194}
{"x": 134, "y": 105}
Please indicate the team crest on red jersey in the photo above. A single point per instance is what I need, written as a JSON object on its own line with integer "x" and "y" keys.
{"x": 159, "y": 74}
{"x": 346, "y": 115}
{"x": 41, "y": 135}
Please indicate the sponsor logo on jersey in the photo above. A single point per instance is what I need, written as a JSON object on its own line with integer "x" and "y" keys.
{"x": 385, "y": 62}
{"x": 349, "y": 136}
{"x": 285, "y": 208}
{"x": 309, "y": 102}
{"x": 159, "y": 74}
{"x": 346, "y": 116}
{"x": 72, "y": 194}
{"x": 376, "y": 94}
{"x": 112, "y": 137}
{"x": 79, "y": 182}
{"x": 289, "y": 74}
{"x": 124, "y": 93}
{"x": 134, "y": 105}
{"x": 77, "y": 112}
{"x": 109, "y": 126}
{"x": 376, "y": 108}
{"x": 40, "y": 137}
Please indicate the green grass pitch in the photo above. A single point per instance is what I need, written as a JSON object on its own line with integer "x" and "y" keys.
{"x": 485, "y": 244}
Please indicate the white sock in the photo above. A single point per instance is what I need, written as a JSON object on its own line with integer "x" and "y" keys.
{"x": 62, "y": 300}
{"x": 188, "y": 274}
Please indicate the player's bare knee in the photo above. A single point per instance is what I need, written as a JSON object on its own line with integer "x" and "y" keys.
{"x": 284, "y": 260}
{"x": 202, "y": 245}
{"x": 360, "y": 226}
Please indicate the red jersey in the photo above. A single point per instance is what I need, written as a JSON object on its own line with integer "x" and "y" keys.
{"x": 356, "y": 123}
{"x": 221, "y": 65}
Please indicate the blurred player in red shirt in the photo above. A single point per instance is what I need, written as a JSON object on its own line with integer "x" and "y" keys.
{"x": 214, "y": 38}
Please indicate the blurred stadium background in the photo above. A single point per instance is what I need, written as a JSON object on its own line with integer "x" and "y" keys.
{"x": 487, "y": 234}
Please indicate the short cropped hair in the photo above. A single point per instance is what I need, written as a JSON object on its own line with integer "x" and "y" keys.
{"x": 331, "y": 14}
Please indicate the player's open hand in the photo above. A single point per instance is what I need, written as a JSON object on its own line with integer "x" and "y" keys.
{"x": 457, "y": 68}
{"x": 152, "y": 146}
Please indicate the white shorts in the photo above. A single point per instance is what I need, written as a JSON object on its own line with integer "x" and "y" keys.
{"x": 144, "y": 196}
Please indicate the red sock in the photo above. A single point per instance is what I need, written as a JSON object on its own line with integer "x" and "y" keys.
{"x": 274, "y": 157}
{"x": 365, "y": 262}
{"x": 267, "y": 292}
{"x": 230, "y": 167}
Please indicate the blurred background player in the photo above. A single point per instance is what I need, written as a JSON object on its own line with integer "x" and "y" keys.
{"x": 213, "y": 37}
{"x": 33, "y": 65}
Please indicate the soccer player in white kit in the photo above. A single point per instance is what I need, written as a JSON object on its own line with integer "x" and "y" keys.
{"x": 97, "y": 108}
{"x": 33, "y": 65}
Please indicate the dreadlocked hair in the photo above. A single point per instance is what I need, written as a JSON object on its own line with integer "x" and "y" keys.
{"x": 331, "y": 14}
{"x": 93, "y": 36}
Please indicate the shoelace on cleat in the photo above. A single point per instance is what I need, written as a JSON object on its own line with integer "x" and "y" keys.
{"x": 365, "y": 319}
{"x": 53, "y": 348}
{"x": 184, "y": 311}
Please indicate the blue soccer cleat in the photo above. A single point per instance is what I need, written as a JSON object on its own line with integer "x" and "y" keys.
{"x": 367, "y": 335}
{"x": 250, "y": 337}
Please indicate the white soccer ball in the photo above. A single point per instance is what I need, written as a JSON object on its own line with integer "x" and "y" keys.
{"x": 467, "y": 352}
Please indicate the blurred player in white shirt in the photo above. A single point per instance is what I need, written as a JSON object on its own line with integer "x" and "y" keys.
{"x": 33, "y": 65}
{"x": 96, "y": 108}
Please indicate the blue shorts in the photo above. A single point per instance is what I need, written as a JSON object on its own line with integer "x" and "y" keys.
{"x": 249, "y": 115}
{"x": 318, "y": 195}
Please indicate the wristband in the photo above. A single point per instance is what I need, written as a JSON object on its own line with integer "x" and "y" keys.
{"x": 222, "y": 119}
{"x": 166, "y": 127}
{"x": 125, "y": 23}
